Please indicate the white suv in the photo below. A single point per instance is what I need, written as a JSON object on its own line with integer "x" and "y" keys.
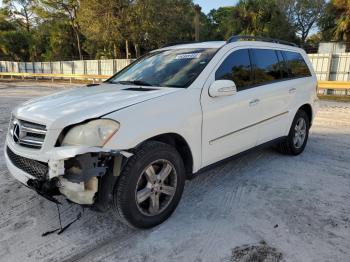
{"x": 130, "y": 143}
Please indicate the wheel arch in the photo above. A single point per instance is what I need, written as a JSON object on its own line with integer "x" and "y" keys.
{"x": 307, "y": 108}
{"x": 180, "y": 144}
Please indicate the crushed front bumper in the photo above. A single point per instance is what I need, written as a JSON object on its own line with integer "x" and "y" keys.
{"x": 72, "y": 171}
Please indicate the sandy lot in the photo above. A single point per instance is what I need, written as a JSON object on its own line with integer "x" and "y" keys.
{"x": 262, "y": 204}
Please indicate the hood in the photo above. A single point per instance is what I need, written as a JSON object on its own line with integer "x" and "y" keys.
{"x": 76, "y": 105}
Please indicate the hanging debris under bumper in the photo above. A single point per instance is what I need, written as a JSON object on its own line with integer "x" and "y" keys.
{"x": 73, "y": 171}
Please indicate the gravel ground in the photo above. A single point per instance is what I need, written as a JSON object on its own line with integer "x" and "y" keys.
{"x": 262, "y": 206}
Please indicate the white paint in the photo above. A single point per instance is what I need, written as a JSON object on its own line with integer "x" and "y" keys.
{"x": 203, "y": 121}
{"x": 234, "y": 204}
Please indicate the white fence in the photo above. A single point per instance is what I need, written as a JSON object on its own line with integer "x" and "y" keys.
{"x": 80, "y": 67}
{"x": 332, "y": 67}
{"x": 327, "y": 66}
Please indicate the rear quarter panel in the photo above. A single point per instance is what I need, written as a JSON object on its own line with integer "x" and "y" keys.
{"x": 306, "y": 92}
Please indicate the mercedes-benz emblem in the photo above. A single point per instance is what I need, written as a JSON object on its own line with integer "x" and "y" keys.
{"x": 16, "y": 132}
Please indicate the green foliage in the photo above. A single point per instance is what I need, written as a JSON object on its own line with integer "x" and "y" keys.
{"x": 73, "y": 29}
{"x": 154, "y": 23}
{"x": 264, "y": 18}
{"x": 223, "y": 22}
{"x": 335, "y": 23}
{"x": 304, "y": 15}
{"x": 15, "y": 44}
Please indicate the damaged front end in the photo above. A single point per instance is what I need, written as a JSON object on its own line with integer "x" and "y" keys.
{"x": 84, "y": 175}
{"x": 79, "y": 166}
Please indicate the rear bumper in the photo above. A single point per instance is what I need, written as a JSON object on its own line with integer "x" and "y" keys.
{"x": 315, "y": 107}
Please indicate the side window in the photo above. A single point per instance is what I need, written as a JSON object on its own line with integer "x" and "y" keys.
{"x": 296, "y": 64}
{"x": 236, "y": 67}
{"x": 283, "y": 65}
{"x": 266, "y": 66}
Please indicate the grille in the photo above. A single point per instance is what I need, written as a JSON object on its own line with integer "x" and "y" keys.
{"x": 27, "y": 134}
{"x": 34, "y": 168}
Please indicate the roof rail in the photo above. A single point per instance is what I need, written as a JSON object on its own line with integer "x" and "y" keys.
{"x": 237, "y": 38}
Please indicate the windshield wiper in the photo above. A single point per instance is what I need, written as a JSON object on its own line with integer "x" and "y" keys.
{"x": 134, "y": 82}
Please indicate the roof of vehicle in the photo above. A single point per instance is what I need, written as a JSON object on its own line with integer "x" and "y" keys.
{"x": 209, "y": 44}
{"x": 219, "y": 44}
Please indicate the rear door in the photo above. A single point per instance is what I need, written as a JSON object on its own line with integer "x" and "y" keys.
{"x": 273, "y": 93}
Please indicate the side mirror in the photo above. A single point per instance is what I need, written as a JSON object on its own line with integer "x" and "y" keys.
{"x": 222, "y": 88}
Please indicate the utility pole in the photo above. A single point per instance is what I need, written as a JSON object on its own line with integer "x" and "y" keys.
{"x": 198, "y": 10}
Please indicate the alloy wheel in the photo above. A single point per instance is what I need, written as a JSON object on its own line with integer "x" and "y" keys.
{"x": 299, "y": 133}
{"x": 156, "y": 187}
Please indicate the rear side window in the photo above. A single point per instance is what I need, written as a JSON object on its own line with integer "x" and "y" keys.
{"x": 266, "y": 66}
{"x": 296, "y": 64}
{"x": 236, "y": 67}
{"x": 283, "y": 65}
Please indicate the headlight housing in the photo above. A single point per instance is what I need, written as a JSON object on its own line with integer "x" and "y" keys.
{"x": 94, "y": 133}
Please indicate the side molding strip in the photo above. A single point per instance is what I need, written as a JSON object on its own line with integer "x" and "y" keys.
{"x": 244, "y": 128}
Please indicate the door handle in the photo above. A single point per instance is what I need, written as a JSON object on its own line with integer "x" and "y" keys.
{"x": 292, "y": 90}
{"x": 254, "y": 102}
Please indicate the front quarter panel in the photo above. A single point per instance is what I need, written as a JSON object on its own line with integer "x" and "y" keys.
{"x": 178, "y": 113}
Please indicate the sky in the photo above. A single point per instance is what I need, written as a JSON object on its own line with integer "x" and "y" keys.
{"x": 208, "y": 5}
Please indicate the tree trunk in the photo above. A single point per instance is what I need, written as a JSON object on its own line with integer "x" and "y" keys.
{"x": 115, "y": 52}
{"x": 78, "y": 42}
{"x": 137, "y": 50}
{"x": 197, "y": 21}
{"x": 127, "y": 49}
{"x": 27, "y": 25}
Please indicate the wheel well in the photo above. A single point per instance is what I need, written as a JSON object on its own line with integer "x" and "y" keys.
{"x": 308, "y": 110}
{"x": 181, "y": 146}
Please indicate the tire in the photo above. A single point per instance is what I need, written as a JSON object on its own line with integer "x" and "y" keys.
{"x": 289, "y": 145}
{"x": 145, "y": 175}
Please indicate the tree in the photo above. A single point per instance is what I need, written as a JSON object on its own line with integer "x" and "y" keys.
{"x": 335, "y": 23}
{"x": 146, "y": 24}
{"x": 21, "y": 12}
{"x": 105, "y": 34}
{"x": 155, "y": 23}
{"x": 15, "y": 45}
{"x": 262, "y": 18}
{"x": 223, "y": 22}
{"x": 327, "y": 22}
{"x": 63, "y": 9}
{"x": 304, "y": 15}
{"x": 5, "y": 24}
{"x": 15, "y": 42}
{"x": 342, "y": 31}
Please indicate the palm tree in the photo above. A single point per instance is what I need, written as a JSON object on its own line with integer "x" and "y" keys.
{"x": 342, "y": 28}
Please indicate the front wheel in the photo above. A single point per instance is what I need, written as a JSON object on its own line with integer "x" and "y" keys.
{"x": 298, "y": 135}
{"x": 150, "y": 185}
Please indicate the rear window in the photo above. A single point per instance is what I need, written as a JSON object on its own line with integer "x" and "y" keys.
{"x": 296, "y": 65}
{"x": 266, "y": 66}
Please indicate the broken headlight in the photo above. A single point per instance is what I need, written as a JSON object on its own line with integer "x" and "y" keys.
{"x": 94, "y": 133}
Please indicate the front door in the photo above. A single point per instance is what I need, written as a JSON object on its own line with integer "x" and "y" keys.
{"x": 229, "y": 121}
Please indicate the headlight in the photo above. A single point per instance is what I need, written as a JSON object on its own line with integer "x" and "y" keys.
{"x": 93, "y": 133}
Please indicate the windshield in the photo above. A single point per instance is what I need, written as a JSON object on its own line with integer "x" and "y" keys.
{"x": 168, "y": 68}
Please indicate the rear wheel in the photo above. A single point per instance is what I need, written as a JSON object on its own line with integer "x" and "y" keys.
{"x": 150, "y": 186}
{"x": 298, "y": 135}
